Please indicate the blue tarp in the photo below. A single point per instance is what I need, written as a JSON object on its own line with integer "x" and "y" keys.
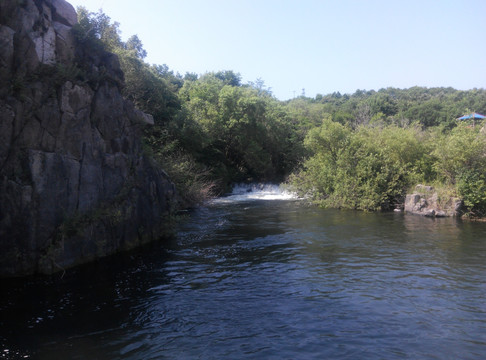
{"x": 472, "y": 116}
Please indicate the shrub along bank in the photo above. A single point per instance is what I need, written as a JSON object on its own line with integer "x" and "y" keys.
{"x": 372, "y": 167}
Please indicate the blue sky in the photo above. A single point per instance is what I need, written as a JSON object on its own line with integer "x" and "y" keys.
{"x": 320, "y": 46}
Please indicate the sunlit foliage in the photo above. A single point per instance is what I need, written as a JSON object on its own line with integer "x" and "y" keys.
{"x": 361, "y": 151}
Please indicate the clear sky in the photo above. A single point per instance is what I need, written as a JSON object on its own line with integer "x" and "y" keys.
{"x": 320, "y": 46}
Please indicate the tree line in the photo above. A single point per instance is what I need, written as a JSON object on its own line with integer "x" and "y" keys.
{"x": 362, "y": 151}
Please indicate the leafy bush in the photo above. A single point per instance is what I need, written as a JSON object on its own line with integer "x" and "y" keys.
{"x": 462, "y": 150}
{"x": 472, "y": 188}
{"x": 369, "y": 168}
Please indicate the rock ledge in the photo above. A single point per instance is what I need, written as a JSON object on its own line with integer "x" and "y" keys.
{"x": 426, "y": 201}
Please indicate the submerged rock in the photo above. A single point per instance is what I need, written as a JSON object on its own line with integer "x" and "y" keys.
{"x": 74, "y": 182}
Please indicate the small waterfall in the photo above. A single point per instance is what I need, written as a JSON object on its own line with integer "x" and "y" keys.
{"x": 254, "y": 191}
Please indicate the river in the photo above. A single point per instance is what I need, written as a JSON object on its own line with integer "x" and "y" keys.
{"x": 262, "y": 275}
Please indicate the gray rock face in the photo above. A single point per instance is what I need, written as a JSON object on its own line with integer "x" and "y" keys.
{"x": 425, "y": 201}
{"x": 74, "y": 182}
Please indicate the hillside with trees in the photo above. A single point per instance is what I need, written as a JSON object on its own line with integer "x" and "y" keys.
{"x": 361, "y": 151}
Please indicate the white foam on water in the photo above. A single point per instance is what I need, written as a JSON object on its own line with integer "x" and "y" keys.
{"x": 248, "y": 192}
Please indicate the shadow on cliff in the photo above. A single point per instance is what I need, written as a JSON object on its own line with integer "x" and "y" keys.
{"x": 75, "y": 184}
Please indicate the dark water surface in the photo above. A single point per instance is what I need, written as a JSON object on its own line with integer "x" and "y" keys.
{"x": 266, "y": 279}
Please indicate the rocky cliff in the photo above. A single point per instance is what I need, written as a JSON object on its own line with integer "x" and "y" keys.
{"x": 74, "y": 183}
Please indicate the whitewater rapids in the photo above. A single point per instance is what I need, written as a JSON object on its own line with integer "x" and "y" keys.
{"x": 249, "y": 192}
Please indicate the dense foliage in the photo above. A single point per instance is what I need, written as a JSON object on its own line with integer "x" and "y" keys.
{"x": 245, "y": 133}
{"x": 360, "y": 151}
{"x": 368, "y": 168}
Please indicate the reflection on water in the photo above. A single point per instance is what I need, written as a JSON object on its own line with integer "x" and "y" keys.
{"x": 254, "y": 278}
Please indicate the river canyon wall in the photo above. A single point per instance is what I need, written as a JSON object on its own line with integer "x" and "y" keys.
{"x": 75, "y": 184}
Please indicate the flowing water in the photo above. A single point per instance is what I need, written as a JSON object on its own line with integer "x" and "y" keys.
{"x": 262, "y": 275}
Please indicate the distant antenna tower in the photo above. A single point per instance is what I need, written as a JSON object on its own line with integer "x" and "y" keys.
{"x": 303, "y": 92}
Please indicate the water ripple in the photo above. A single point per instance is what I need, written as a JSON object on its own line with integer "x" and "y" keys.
{"x": 274, "y": 281}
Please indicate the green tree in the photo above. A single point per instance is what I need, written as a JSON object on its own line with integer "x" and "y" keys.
{"x": 134, "y": 44}
{"x": 461, "y": 162}
{"x": 369, "y": 168}
{"x": 463, "y": 150}
{"x": 229, "y": 77}
{"x": 96, "y": 29}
